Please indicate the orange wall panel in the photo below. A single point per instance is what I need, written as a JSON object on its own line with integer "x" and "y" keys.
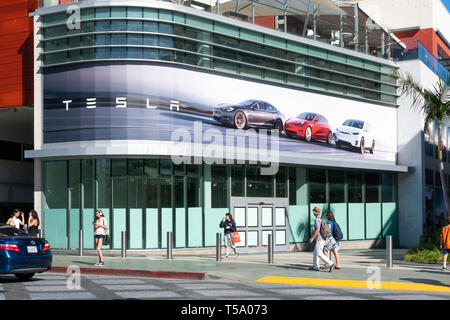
{"x": 16, "y": 52}
{"x": 428, "y": 37}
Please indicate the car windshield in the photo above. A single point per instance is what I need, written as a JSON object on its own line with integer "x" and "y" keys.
{"x": 7, "y": 231}
{"x": 306, "y": 116}
{"x": 354, "y": 123}
{"x": 247, "y": 102}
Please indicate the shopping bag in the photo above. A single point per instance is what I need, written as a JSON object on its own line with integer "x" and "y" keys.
{"x": 236, "y": 237}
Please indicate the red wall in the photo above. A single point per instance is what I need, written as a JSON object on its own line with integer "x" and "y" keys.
{"x": 16, "y": 52}
{"x": 428, "y": 37}
{"x": 268, "y": 22}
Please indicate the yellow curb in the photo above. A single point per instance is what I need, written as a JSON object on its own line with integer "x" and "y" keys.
{"x": 356, "y": 284}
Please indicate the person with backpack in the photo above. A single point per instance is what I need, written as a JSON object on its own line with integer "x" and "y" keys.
{"x": 321, "y": 234}
{"x": 333, "y": 241}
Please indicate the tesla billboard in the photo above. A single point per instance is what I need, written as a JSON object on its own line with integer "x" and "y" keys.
{"x": 116, "y": 101}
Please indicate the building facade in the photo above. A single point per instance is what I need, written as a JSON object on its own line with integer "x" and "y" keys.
{"x": 111, "y": 93}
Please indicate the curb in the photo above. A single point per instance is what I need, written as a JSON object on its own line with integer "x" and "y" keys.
{"x": 136, "y": 273}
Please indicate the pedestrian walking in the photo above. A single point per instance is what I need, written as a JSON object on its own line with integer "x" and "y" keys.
{"x": 321, "y": 234}
{"x": 14, "y": 221}
{"x": 229, "y": 226}
{"x": 333, "y": 241}
{"x": 100, "y": 225}
{"x": 445, "y": 243}
{"x": 33, "y": 224}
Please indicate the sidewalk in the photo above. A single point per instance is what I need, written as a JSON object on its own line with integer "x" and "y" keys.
{"x": 253, "y": 267}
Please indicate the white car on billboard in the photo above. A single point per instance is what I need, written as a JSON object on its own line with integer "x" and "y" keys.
{"x": 355, "y": 134}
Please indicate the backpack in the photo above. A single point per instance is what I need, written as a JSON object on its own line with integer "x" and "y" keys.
{"x": 337, "y": 232}
{"x": 325, "y": 229}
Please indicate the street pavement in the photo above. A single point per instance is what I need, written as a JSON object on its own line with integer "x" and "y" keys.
{"x": 54, "y": 286}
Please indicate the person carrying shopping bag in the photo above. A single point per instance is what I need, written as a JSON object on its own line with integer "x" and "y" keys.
{"x": 229, "y": 226}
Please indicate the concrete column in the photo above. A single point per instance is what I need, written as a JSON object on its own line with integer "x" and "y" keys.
{"x": 301, "y": 186}
{"x": 38, "y": 116}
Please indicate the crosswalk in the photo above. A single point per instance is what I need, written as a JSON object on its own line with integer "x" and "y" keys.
{"x": 49, "y": 286}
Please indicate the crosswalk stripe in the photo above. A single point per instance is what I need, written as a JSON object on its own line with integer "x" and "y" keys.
{"x": 356, "y": 284}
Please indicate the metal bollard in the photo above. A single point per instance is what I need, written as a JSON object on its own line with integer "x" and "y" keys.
{"x": 169, "y": 245}
{"x": 270, "y": 248}
{"x": 124, "y": 244}
{"x": 389, "y": 263}
{"x": 218, "y": 247}
{"x": 80, "y": 243}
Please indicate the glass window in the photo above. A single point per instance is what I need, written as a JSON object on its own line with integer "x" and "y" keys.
{"x": 165, "y": 42}
{"x": 372, "y": 181}
{"x": 292, "y": 186}
{"x": 102, "y": 39}
{"x": 193, "y": 191}
{"x": 281, "y": 182}
{"x": 55, "y": 58}
{"x": 55, "y": 32}
{"x": 134, "y": 12}
{"x": 87, "y": 170}
{"x": 134, "y": 53}
{"x": 151, "y": 182}
{"x": 179, "y": 191}
{"x": 166, "y": 55}
{"x": 150, "y": 26}
{"x": 317, "y": 186}
{"x": 87, "y": 41}
{"x": 150, "y": 13}
{"x": 103, "y": 173}
{"x": 55, "y": 185}
{"x": 135, "y": 39}
{"x": 102, "y": 12}
{"x": 165, "y": 28}
{"x": 87, "y": 13}
{"x": 119, "y": 182}
{"x": 118, "y": 25}
{"x": 219, "y": 190}
{"x": 118, "y": 53}
{"x": 118, "y": 12}
{"x": 387, "y": 187}
{"x": 74, "y": 55}
{"x": 336, "y": 181}
{"x": 87, "y": 27}
{"x": 150, "y": 40}
{"x": 151, "y": 54}
{"x": 258, "y": 185}
{"x": 237, "y": 181}
{"x": 165, "y": 191}
{"x": 134, "y": 25}
{"x": 88, "y": 54}
{"x": 74, "y": 42}
{"x": 354, "y": 181}
{"x": 102, "y": 26}
{"x": 102, "y": 53}
{"x": 117, "y": 39}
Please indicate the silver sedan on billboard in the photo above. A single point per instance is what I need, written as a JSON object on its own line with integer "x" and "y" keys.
{"x": 249, "y": 113}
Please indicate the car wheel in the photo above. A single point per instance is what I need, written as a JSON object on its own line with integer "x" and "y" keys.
{"x": 373, "y": 147}
{"x": 24, "y": 276}
{"x": 279, "y": 125}
{"x": 308, "y": 134}
{"x": 338, "y": 144}
{"x": 329, "y": 138}
{"x": 361, "y": 146}
{"x": 240, "y": 121}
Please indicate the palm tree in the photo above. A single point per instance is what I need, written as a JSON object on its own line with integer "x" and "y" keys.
{"x": 434, "y": 104}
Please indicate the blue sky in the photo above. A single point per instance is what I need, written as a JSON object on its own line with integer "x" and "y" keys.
{"x": 447, "y": 4}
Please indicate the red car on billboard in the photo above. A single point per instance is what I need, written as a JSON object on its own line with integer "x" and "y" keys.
{"x": 309, "y": 125}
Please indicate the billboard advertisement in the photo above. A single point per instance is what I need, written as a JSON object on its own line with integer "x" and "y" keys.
{"x": 117, "y": 101}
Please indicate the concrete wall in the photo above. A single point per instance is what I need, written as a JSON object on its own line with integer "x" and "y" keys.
{"x": 411, "y": 187}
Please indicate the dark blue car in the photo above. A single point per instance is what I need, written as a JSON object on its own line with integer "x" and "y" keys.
{"x": 21, "y": 254}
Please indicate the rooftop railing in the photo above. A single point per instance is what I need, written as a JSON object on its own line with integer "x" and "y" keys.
{"x": 342, "y": 26}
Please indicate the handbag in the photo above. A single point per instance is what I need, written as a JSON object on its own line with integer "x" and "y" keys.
{"x": 107, "y": 239}
{"x": 235, "y": 236}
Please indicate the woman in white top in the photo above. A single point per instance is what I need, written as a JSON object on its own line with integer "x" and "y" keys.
{"x": 100, "y": 226}
{"x": 14, "y": 221}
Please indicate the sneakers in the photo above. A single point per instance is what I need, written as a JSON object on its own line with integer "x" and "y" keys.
{"x": 444, "y": 268}
{"x": 100, "y": 264}
{"x": 236, "y": 254}
{"x": 226, "y": 257}
{"x": 332, "y": 267}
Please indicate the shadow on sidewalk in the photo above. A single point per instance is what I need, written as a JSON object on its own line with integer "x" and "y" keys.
{"x": 426, "y": 281}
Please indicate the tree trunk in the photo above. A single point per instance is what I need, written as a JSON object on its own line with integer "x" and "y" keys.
{"x": 441, "y": 169}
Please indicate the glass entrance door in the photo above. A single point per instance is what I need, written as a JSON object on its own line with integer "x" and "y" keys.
{"x": 255, "y": 221}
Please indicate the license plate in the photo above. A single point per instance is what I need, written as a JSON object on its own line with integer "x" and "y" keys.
{"x": 32, "y": 249}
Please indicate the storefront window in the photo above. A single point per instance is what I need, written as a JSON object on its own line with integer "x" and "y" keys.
{"x": 135, "y": 185}
{"x": 336, "y": 181}
{"x": 372, "y": 181}
{"x": 317, "y": 186}
{"x": 219, "y": 190}
{"x": 237, "y": 181}
{"x": 281, "y": 182}
{"x": 193, "y": 186}
{"x": 258, "y": 185}
{"x": 354, "y": 181}
{"x": 387, "y": 187}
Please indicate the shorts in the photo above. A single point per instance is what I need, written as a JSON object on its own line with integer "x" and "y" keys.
{"x": 332, "y": 245}
{"x": 445, "y": 251}
{"x": 99, "y": 236}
